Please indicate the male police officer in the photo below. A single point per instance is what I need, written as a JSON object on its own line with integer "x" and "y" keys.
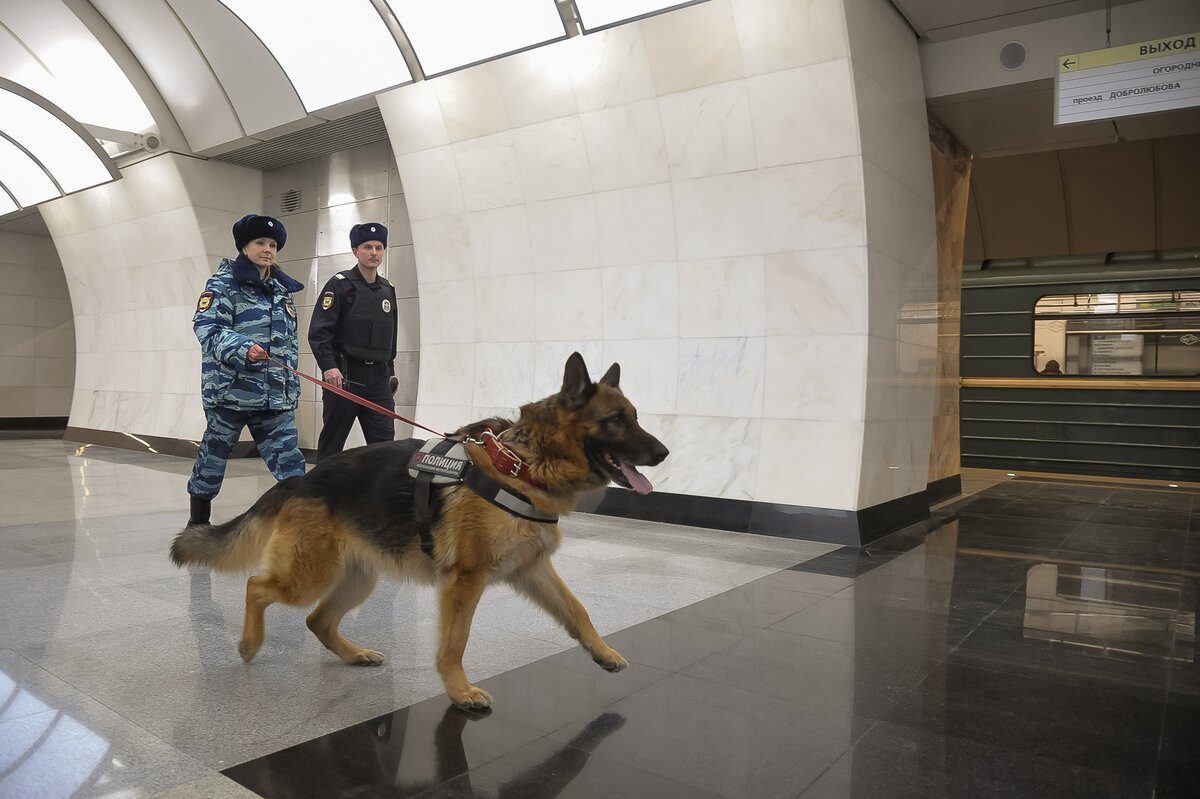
{"x": 353, "y": 336}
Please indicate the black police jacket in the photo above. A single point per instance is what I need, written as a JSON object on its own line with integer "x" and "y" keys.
{"x": 351, "y": 318}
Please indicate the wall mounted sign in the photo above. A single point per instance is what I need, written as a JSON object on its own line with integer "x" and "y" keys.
{"x": 1158, "y": 75}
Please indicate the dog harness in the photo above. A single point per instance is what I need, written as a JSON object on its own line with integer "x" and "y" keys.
{"x": 444, "y": 461}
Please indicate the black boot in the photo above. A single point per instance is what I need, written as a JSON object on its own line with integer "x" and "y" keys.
{"x": 201, "y": 509}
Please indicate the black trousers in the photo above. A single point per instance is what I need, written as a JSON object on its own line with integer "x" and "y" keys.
{"x": 371, "y": 382}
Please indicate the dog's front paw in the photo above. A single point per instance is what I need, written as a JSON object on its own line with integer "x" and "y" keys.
{"x": 471, "y": 698}
{"x": 609, "y": 659}
{"x": 365, "y": 657}
{"x": 248, "y": 649}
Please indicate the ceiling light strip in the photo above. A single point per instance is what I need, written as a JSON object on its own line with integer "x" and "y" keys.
{"x": 297, "y": 33}
{"x": 38, "y": 137}
{"x": 456, "y": 34}
{"x": 598, "y": 15}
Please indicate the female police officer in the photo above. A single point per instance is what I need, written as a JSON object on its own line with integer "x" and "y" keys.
{"x": 245, "y": 316}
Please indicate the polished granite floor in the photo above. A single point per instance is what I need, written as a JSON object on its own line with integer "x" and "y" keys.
{"x": 1034, "y": 639}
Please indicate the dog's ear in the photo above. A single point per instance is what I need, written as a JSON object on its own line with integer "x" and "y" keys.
{"x": 612, "y": 377}
{"x": 577, "y": 387}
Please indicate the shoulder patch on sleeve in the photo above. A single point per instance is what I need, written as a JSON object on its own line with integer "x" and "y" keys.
{"x": 205, "y": 302}
{"x": 327, "y": 301}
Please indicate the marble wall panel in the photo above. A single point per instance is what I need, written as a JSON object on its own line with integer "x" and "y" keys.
{"x": 777, "y": 35}
{"x": 694, "y": 46}
{"x": 37, "y": 330}
{"x": 563, "y": 234}
{"x": 701, "y": 206}
{"x": 802, "y": 115}
{"x": 708, "y": 131}
{"x": 722, "y": 297}
{"x": 552, "y": 159}
{"x": 718, "y": 216}
{"x": 490, "y": 176}
{"x": 832, "y": 281}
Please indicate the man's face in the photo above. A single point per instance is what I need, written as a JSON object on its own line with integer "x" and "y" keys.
{"x": 261, "y": 252}
{"x": 369, "y": 254}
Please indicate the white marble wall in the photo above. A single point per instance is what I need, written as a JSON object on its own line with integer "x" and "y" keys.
{"x": 136, "y": 254}
{"x": 708, "y": 197}
{"x": 902, "y": 295}
{"x": 37, "y": 331}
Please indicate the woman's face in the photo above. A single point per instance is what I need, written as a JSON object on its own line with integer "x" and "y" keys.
{"x": 261, "y": 252}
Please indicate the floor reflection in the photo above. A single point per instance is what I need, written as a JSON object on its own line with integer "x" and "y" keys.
{"x": 395, "y": 756}
{"x": 1111, "y": 611}
{"x": 44, "y": 752}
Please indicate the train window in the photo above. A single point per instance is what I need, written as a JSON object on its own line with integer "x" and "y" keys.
{"x": 1144, "y": 333}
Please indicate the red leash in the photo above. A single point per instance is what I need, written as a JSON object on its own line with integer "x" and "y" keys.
{"x": 341, "y": 392}
{"x": 505, "y": 460}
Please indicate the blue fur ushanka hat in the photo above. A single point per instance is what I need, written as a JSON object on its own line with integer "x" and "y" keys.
{"x": 368, "y": 231}
{"x": 253, "y": 226}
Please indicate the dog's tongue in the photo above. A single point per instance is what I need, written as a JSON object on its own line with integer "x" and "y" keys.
{"x": 637, "y": 481}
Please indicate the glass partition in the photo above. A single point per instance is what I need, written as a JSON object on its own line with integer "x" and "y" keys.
{"x": 1142, "y": 334}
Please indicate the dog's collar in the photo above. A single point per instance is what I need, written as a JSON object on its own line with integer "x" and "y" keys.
{"x": 506, "y": 461}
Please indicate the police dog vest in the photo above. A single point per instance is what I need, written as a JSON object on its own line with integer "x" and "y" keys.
{"x": 444, "y": 461}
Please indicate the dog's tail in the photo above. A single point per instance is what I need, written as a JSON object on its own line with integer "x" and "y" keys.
{"x": 237, "y": 544}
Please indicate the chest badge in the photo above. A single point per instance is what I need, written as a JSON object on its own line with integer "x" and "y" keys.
{"x": 327, "y": 301}
{"x": 387, "y": 306}
{"x": 205, "y": 302}
{"x": 291, "y": 309}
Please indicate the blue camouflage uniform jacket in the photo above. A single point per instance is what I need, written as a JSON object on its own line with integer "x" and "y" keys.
{"x": 236, "y": 311}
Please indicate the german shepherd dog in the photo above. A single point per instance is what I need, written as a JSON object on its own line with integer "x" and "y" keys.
{"x": 324, "y": 536}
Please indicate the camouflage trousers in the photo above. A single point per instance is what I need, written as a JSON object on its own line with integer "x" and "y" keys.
{"x": 274, "y": 432}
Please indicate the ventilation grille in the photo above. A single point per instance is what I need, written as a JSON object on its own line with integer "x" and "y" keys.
{"x": 365, "y": 127}
{"x": 290, "y": 201}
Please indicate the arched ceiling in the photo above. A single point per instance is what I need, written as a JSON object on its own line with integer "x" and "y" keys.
{"x": 213, "y": 76}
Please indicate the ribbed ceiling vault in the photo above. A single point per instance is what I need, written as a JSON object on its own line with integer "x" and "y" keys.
{"x": 364, "y": 127}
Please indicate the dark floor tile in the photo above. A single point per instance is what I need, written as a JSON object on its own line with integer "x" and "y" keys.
{"x": 981, "y": 504}
{"x": 545, "y": 769}
{"x": 1040, "y": 532}
{"x": 1003, "y": 646}
{"x": 1140, "y": 517}
{"x": 899, "y": 762}
{"x": 802, "y": 582}
{"x": 1179, "y": 761}
{"x": 1097, "y": 725}
{"x": 562, "y": 688}
{"x": 935, "y": 582}
{"x": 1013, "y": 488}
{"x": 1127, "y": 545}
{"x": 1127, "y": 533}
{"x": 1058, "y": 492}
{"x": 846, "y": 562}
{"x": 847, "y": 679}
{"x": 900, "y": 542}
{"x": 846, "y": 621}
{"x": 1048, "y": 509}
{"x": 1173, "y": 501}
{"x": 758, "y": 604}
{"x": 729, "y": 741}
{"x": 400, "y": 754}
{"x": 678, "y": 640}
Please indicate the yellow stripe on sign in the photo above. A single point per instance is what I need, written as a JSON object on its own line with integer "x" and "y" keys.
{"x": 1154, "y": 48}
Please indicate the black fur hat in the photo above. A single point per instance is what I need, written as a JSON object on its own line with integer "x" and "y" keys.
{"x": 368, "y": 231}
{"x": 253, "y": 226}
